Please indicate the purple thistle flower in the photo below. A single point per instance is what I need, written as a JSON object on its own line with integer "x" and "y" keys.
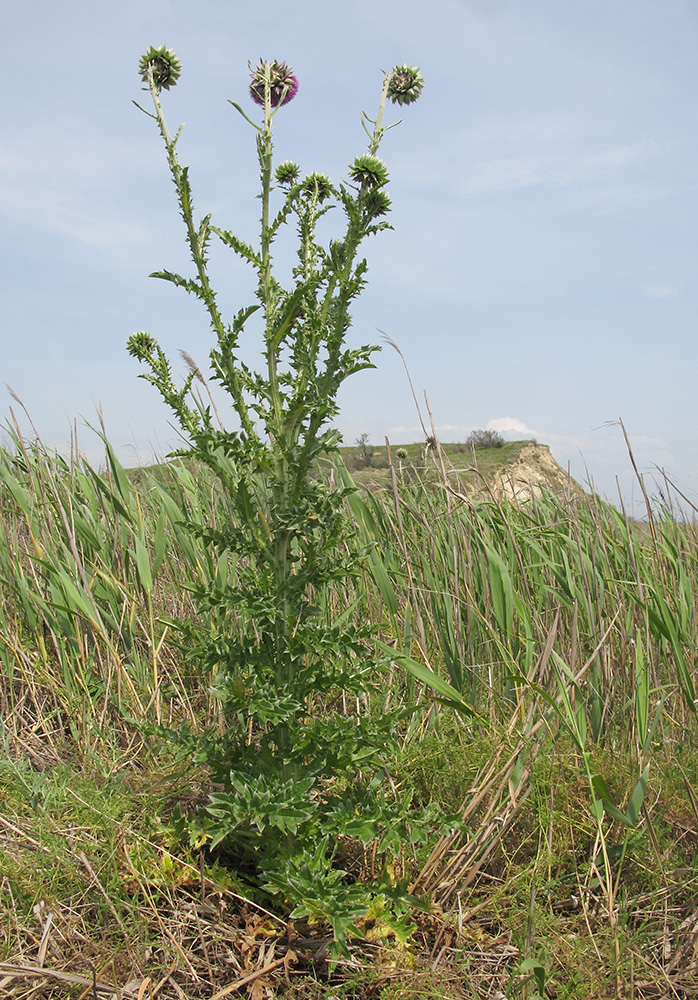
{"x": 405, "y": 84}
{"x": 283, "y": 85}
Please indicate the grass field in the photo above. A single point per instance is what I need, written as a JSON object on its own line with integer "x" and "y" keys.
{"x": 370, "y": 464}
{"x": 568, "y": 632}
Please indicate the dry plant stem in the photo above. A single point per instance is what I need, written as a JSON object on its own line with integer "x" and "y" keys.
{"x": 641, "y": 481}
{"x": 22, "y": 971}
{"x": 435, "y": 874}
{"x": 25, "y": 836}
{"x": 443, "y": 878}
{"x": 149, "y": 899}
{"x": 391, "y": 342}
{"x": 91, "y": 872}
{"x": 246, "y": 980}
{"x": 43, "y": 944}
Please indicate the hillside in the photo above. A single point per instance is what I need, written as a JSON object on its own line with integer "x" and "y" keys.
{"x": 517, "y": 469}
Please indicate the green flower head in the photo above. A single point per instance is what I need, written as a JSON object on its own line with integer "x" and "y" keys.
{"x": 369, "y": 171}
{"x": 318, "y": 186}
{"x": 287, "y": 172}
{"x": 376, "y": 202}
{"x": 165, "y": 67}
{"x": 141, "y": 345}
{"x": 406, "y": 83}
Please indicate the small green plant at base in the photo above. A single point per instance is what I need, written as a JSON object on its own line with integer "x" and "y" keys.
{"x": 532, "y": 971}
{"x": 284, "y": 536}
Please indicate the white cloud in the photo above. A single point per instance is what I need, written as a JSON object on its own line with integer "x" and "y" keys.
{"x": 67, "y": 217}
{"x": 608, "y": 198}
{"x": 81, "y": 191}
{"x": 400, "y": 430}
{"x": 555, "y": 168}
{"x": 539, "y": 129}
{"x": 510, "y": 424}
{"x": 665, "y": 290}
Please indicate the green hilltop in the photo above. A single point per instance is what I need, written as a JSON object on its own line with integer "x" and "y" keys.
{"x": 516, "y": 468}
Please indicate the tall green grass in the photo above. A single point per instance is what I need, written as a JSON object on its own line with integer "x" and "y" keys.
{"x": 500, "y": 599}
{"x": 91, "y": 570}
{"x": 559, "y": 621}
{"x": 519, "y": 634}
{"x": 481, "y": 582}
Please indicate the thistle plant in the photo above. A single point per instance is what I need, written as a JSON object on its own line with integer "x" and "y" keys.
{"x": 293, "y": 780}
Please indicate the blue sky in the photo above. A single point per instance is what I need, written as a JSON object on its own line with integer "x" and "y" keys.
{"x": 541, "y": 278}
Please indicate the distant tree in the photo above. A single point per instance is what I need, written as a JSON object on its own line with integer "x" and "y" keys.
{"x": 485, "y": 439}
{"x": 365, "y": 449}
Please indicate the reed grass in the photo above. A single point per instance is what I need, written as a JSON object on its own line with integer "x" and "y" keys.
{"x": 542, "y": 682}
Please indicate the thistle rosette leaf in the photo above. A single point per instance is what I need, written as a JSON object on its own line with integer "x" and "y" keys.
{"x": 369, "y": 171}
{"x": 283, "y": 84}
{"x": 405, "y": 85}
{"x": 262, "y": 802}
{"x": 164, "y": 66}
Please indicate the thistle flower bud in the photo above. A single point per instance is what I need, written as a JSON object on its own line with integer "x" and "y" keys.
{"x": 283, "y": 85}
{"x": 165, "y": 66}
{"x": 376, "y": 202}
{"x": 141, "y": 345}
{"x": 318, "y": 186}
{"x": 406, "y": 83}
{"x": 369, "y": 170}
{"x": 287, "y": 173}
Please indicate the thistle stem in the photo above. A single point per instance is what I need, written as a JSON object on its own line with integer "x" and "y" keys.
{"x": 196, "y": 249}
{"x": 378, "y": 130}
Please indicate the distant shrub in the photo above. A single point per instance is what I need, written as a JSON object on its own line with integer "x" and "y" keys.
{"x": 365, "y": 452}
{"x": 484, "y": 439}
